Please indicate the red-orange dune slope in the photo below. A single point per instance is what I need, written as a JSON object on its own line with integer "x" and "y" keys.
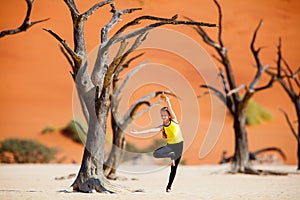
{"x": 36, "y": 88}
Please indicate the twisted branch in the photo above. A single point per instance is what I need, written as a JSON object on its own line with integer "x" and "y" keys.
{"x": 217, "y": 92}
{"x": 236, "y": 90}
{"x": 95, "y": 7}
{"x": 119, "y": 91}
{"x": 258, "y": 63}
{"x": 290, "y": 124}
{"x": 67, "y": 49}
{"x": 26, "y": 23}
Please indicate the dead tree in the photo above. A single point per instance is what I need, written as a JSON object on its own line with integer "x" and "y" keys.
{"x": 290, "y": 82}
{"x": 232, "y": 97}
{"x": 26, "y": 23}
{"x": 94, "y": 89}
{"x": 120, "y": 123}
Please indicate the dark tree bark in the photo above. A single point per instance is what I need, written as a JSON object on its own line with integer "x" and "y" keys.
{"x": 94, "y": 89}
{"x": 231, "y": 96}
{"x": 26, "y": 23}
{"x": 290, "y": 82}
{"x": 298, "y": 117}
{"x": 241, "y": 156}
{"x": 116, "y": 153}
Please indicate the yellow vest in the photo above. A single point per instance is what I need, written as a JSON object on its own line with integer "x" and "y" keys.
{"x": 173, "y": 133}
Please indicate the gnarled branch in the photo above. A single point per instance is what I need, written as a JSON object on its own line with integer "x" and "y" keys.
{"x": 166, "y": 21}
{"x": 221, "y": 50}
{"x": 292, "y": 75}
{"x": 285, "y": 76}
{"x": 217, "y": 92}
{"x": 224, "y": 81}
{"x": 115, "y": 18}
{"x": 115, "y": 65}
{"x": 90, "y": 11}
{"x": 72, "y": 7}
{"x": 125, "y": 65}
{"x": 268, "y": 85}
{"x": 101, "y": 64}
{"x": 132, "y": 113}
{"x": 288, "y": 72}
{"x": 172, "y": 20}
{"x": 119, "y": 91}
{"x": 26, "y": 23}
{"x": 68, "y": 52}
{"x": 258, "y": 63}
{"x": 290, "y": 124}
{"x": 220, "y": 23}
{"x": 236, "y": 90}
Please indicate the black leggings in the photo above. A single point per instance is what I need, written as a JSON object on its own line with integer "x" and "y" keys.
{"x": 173, "y": 151}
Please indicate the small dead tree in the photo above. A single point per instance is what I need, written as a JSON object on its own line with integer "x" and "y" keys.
{"x": 94, "y": 89}
{"x": 233, "y": 99}
{"x": 290, "y": 82}
{"x": 26, "y": 23}
{"x": 120, "y": 123}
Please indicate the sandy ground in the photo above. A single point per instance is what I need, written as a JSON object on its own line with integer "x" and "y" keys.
{"x": 36, "y": 89}
{"x": 192, "y": 182}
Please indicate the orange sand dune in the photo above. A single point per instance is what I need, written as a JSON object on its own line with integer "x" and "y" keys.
{"x": 36, "y": 88}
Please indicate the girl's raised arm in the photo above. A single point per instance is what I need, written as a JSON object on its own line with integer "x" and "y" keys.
{"x": 173, "y": 116}
{"x": 151, "y": 130}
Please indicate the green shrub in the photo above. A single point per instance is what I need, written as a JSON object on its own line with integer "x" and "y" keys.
{"x": 75, "y": 130}
{"x": 182, "y": 162}
{"x": 256, "y": 114}
{"x": 25, "y": 151}
{"x": 49, "y": 129}
{"x": 131, "y": 148}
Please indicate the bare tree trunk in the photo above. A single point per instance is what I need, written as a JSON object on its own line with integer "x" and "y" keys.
{"x": 241, "y": 156}
{"x": 115, "y": 158}
{"x": 90, "y": 177}
{"x": 116, "y": 153}
{"x": 297, "y": 105}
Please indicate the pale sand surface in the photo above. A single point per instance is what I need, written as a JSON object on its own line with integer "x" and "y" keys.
{"x": 192, "y": 182}
{"x": 36, "y": 88}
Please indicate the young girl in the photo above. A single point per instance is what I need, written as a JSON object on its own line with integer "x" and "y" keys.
{"x": 172, "y": 132}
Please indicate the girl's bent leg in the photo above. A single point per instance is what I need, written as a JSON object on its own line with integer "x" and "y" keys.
{"x": 163, "y": 152}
